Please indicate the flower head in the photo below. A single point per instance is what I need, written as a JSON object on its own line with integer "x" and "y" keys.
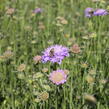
{"x": 21, "y": 67}
{"x": 41, "y": 26}
{"x": 61, "y": 20}
{"x": 90, "y": 79}
{"x": 58, "y": 77}
{"x": 44, "y": 96}
{"x": 8, "y": 54}
{"x": 75, "y": 48}
{"x": 37, "y": 10}
{"x": 55, "y": 54}
{"x": 89, "y": 12}
{"x": 100, "y": 12}
{"x": 45, "y": 70}
{"x": 37, "y": 59}
{"x": 10, "y": 11}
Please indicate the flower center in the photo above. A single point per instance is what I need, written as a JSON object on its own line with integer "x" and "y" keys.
{"x": 57, "y": 77}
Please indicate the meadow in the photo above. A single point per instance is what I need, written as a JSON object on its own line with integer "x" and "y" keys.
{"x": 27, "y": 29}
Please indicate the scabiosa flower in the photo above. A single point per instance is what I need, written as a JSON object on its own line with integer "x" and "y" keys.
{"x": 10, "y": 11}
{"x": 36, "y": 59}
{"x": 55, "y": 54}
{"x": 89, "y": 12}
{"x": 100, "y": 12}
{"x": 21, "y": 67}
{"x": 58, "y": 77}
{"x": 8, "y": 54}
{"x": 75, "y": 48}
{"x": 37, "y": 10}
{"x": 44, "y": 96}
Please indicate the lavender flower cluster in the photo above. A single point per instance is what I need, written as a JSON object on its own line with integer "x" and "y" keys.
{"x": 55, "y": 54}
{"x": 89, "y": 12}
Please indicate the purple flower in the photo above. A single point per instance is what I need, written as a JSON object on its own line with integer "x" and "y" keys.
{"x": 89, "y": 12}
{"x": 55, "y": 54}
{"x": 37, "y": 10}
{"x": 100, "y": 12}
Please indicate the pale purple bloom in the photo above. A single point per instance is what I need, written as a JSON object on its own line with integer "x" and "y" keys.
{"x": 58, "y": 77}
{"x": 100, "y": 12}
{"x": 55, "y": 54}
{"x": 37, "y": 10}
{"x": 89, "y": 12}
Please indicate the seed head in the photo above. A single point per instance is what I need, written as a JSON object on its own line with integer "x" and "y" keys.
{"x": 37, "y": 59}
{"x": 10, "y": 11}
{"x": 44, "y": 96}
{"x": 8, "y": 54}
{"x": 75, "y": 49}
{"x": 21, "y": 67}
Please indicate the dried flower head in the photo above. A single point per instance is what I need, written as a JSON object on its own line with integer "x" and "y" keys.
{"x": 84, "y": 65}
{"x": 92, "y": 72}
{"x": 61, "y": 20}
{"x": 58, "y": 77}
{"x": 90, "y": 98}
{"x": 75, "y": 48}
{"x": 44, "y": 96}
{"x": 104, "y": 81}
{"x": 8, "y": 54}
{"x": 37, "y": 59}
{"x": 21, "y": 67}
{"x": 90, "y": 79}
{"x": 45, "y": 70}
{"x": 55, "y": 54}
{"x": 64, "y": 21}
{"x": 10, "y": 11}
{"x": 41, "y": 26}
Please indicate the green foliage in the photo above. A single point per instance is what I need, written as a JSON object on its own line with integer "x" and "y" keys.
{"x": 26, "y": 35}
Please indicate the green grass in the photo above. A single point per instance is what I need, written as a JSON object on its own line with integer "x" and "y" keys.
{"x": 20, "y": 32}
